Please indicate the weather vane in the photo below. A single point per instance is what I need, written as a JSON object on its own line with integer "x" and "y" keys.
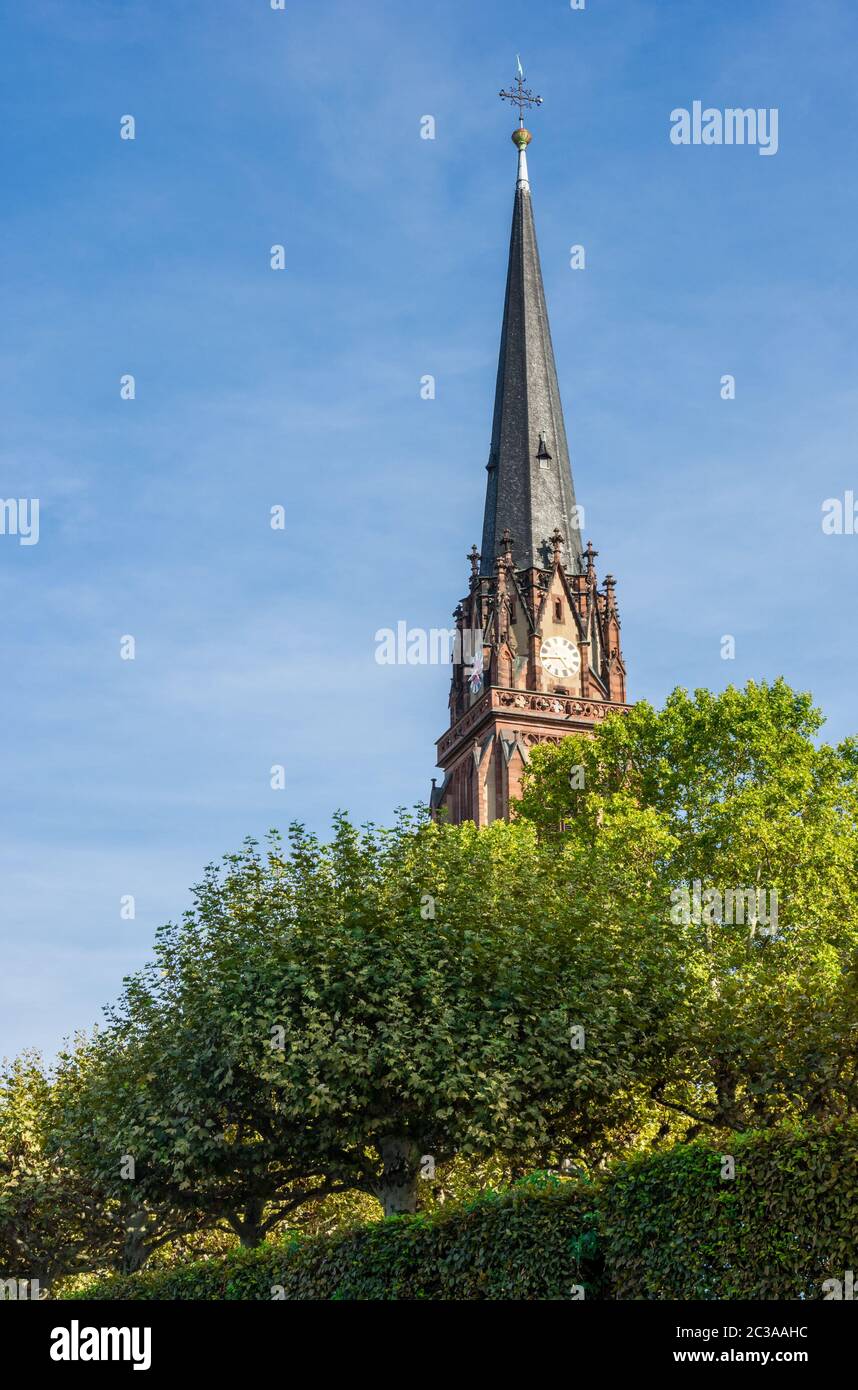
{"x": 522, "y": 97}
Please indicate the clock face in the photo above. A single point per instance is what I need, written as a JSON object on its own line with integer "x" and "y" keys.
{"x": 560, "y": 657}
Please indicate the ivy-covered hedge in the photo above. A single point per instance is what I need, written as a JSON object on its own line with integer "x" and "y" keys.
{"x": 665, "y": 1226}
{"x": 672, "y": 1227}
{"x": 530, "y": 1243}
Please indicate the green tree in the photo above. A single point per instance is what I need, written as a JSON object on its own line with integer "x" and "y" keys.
{"x": 97, "y": 1084}
{"x": 328, "y": 1017}
{"x": 757, "y": 826}
{"x": 53, "y": 1222}
{"x": 181, "y": 1141}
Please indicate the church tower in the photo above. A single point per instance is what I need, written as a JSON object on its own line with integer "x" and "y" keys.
{"x": 537, "y": 655}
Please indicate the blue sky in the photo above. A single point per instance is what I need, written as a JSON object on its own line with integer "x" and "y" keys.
{"x": 301, "y": 388}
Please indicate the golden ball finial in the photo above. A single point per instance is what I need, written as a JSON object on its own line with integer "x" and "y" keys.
{"x": 521, "y": 138}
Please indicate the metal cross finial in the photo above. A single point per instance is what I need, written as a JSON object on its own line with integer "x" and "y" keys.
{"x": 522, "y": 97}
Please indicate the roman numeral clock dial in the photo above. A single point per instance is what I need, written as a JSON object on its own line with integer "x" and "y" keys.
{"x": 560, "y": 657}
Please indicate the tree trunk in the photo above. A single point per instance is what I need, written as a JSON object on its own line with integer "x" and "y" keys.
{"x": 135, "y": 1250}
{"x": 726, "y": 1086}
{"x": 396, "y": 1189}
{"x": 250, "y": 1232}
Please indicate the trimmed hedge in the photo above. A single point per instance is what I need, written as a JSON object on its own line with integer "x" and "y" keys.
{"x": 529, "y": 1243}
{"x": 663, "y": 1226}
{"x": 673, "y": 1228}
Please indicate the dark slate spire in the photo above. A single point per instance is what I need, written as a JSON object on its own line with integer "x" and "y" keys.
{"x": 530, "y": 481}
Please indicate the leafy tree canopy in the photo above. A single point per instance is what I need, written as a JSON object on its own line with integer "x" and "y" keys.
{"x": 756, "y": 871}
{"x": 327, "y": 1016}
